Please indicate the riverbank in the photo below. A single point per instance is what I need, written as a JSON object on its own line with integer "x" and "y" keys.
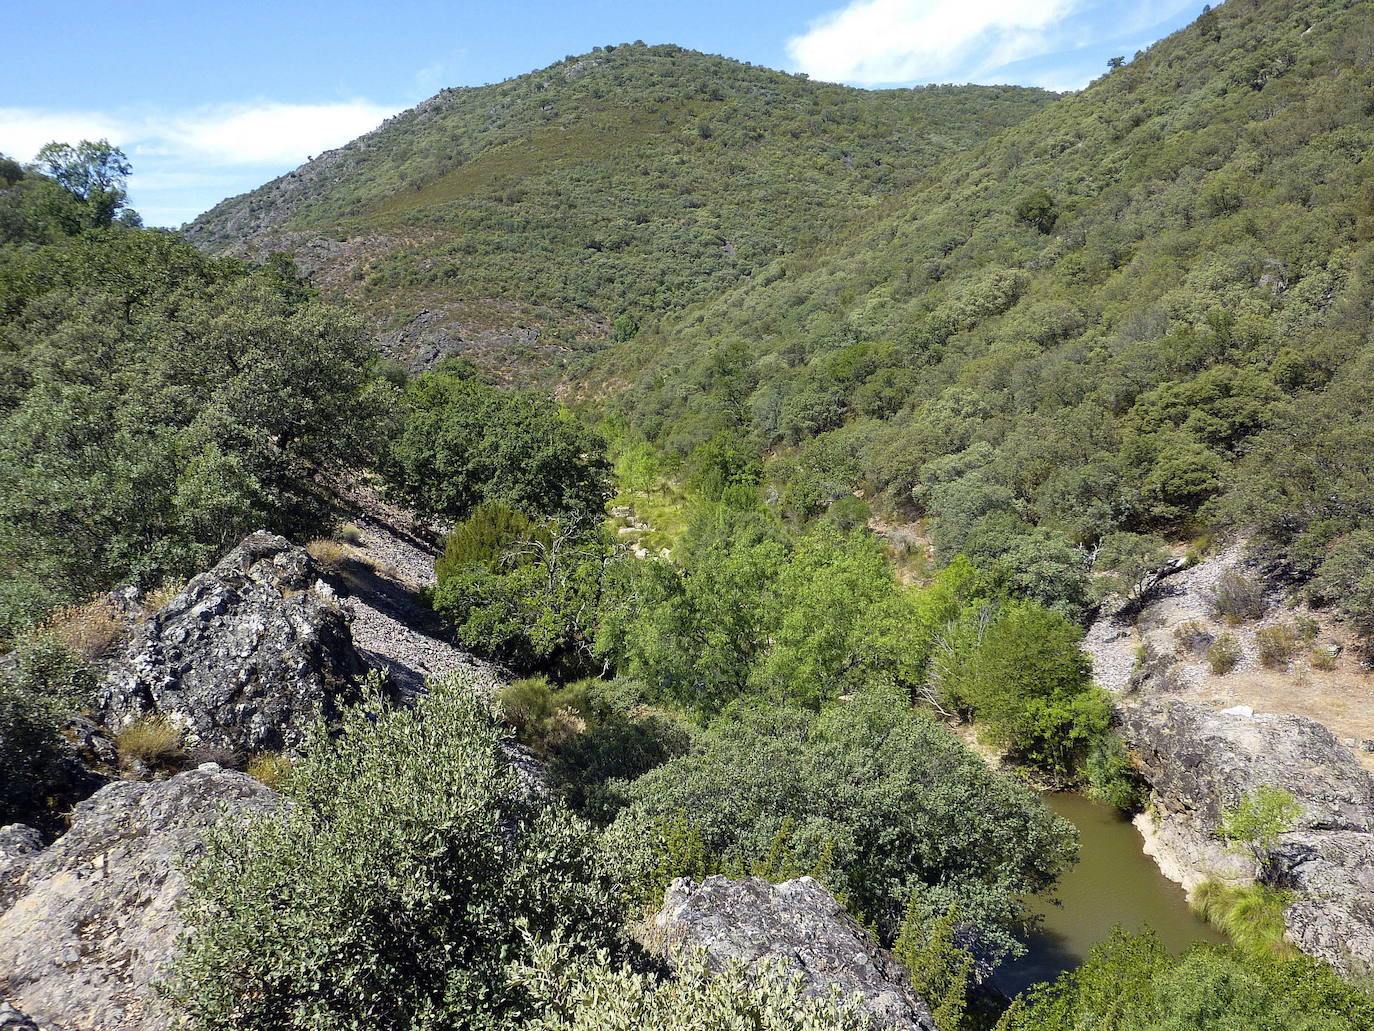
{"x": 1115, "y": 882}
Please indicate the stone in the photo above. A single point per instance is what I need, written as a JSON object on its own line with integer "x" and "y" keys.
{"x": 799, "y": 924}
{"x": 88, "y": 924}
{"x": 1200, "y": 763}
{"x": 245, "y": 659}
{"x": 12, "y": 1020}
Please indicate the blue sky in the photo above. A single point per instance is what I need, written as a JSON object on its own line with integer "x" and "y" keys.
{"x": 210, "y": 98}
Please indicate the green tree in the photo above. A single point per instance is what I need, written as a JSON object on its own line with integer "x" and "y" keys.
{"x": 157, "y": 406}
{"x": 1131, "y": 561}
{"x": 1254, "y": 825}
{"x": 464, "y": 443}
{"x": 883, "y": 797}
{"x": 1037, "y": 209}
{"x": 1027, "y": 682}
{"x": 522, "y": 592}
{"x": 94, "y": 173}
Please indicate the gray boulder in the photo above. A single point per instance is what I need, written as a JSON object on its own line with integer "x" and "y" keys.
{"x": 88, "y": 924}
{"x": 12, "y": 1020}
{"x": 1200, "y": 763}
{"x": 802, "y": 926}
{"x": 245, "y": 658}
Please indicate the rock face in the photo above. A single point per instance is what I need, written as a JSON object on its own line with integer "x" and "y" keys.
{"x": 1199, "y": 763}
{"x": 801, "y": 925}
{"x": 245, "y": 658}
{"x": 87, "y": 924}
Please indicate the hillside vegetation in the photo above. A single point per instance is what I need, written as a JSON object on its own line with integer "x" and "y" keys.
{"x": 1054, "y": 336}
{"x": 1145, "y": 308}
{"x": 606, "y": 188}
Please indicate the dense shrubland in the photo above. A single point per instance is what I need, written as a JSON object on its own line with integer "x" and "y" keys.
{"x": 1181, "y": 347}
{"x": 155, "y": 405}
{"x": 1132, "y": 983}
{"x": 587, "y": 196}
{"x": 1140, "y": 314}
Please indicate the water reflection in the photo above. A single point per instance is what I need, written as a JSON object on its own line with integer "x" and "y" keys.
{"x": 1114, "y": 882}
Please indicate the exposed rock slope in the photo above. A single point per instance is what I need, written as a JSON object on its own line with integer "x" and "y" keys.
{"x": 1199, "y": 763}
{"x": 88, "y": 923}
{"x": 799, "y": 924}
{"x": 245, "y": 658}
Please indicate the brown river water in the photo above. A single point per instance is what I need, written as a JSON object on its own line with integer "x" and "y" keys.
{"x": 1114, "y": 882}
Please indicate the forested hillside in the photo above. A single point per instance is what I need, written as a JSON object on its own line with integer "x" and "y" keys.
{"x": 585, "y": 197}
{"x": 1145, "y": 308}
{"x": 743, "y": 550}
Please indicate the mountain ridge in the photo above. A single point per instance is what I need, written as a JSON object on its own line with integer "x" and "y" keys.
{"x": 622, "y": 183}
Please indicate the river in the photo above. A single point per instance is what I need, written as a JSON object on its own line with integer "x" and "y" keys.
{"x": 1114, "y": 882}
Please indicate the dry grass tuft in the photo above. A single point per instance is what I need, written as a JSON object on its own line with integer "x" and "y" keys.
{"x": 272, "y": 768}
{"x": 152, "y": 740}
{"x": 1277, "y": 645}
{"x": 329, "y": 555}
{"x": 1224, "y": 654}
{"x": 158, "y": 597}
{"x": 90, "y": 631}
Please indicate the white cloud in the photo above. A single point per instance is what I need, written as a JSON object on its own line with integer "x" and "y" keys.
{"x": 185, "y": 161}
{"x": 236, "y": 134}
{"x": 890, "y": 41}
{"x": 253, "y": 134}
{"x": 23, "y": 132}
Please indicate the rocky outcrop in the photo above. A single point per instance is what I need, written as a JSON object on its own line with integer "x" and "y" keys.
{"x": 798, "y": 924}
{"x": 1200, "y": 763}
{"x": 245, "y": 658}
{"x": 88, "y": 924}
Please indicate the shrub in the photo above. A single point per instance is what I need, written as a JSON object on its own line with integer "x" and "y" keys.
{"x": 1251, "y": 915}
{"x": 350, "y": 534}
{"x": 544, "y": 717}
{"x": 412, "y": 871}
{"x": 848, "y": 512}
{"x": 941, "y": 969}
{"x": 1255, "y": 823}
{"x": 1130, "y": 981}
{"x": 45, "y": 667}
{"x": 1237, "y": 598}
{"x": 880, "y": 794}
{"x": 1323, "y": 657}
{"x": 592, "y": 994}
{"x": 482, "y": 539}
{"x": 1277, "y": 645}
{"x": 1224, "y": 654}
{"x": 152, "y": 740}
{"x": 1111, "y": 777}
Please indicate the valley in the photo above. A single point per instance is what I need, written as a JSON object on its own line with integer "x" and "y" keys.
{"x": 658, "y": 542}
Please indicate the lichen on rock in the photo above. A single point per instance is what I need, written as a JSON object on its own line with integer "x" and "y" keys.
{"x": 88, "y": 924}
{"x": 799, "y": 925}
{"x": 245, "y": 658}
